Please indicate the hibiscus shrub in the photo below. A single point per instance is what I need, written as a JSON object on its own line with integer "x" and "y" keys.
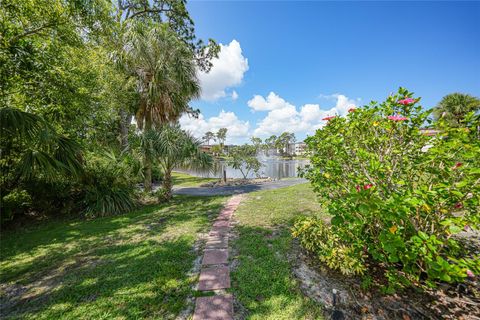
{"x": 397, "y": 196}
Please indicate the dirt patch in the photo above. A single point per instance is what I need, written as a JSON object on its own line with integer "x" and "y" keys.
{"x": 318, "y": 283}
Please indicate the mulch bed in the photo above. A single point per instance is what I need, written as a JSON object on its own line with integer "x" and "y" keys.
{"x": 353, "y": 302}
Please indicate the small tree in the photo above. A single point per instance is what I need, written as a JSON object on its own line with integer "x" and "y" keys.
{"x": 176, "y": 148}
{"x": 244, "y": 158}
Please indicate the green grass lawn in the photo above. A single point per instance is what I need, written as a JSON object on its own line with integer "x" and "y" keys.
{"x": 122, "y": 267}
{"x": 136, "y": 266}
{"x": 184, "y": 180}
{"x": 263, "y": 281}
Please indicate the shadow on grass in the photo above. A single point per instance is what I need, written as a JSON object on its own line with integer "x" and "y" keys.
{"x": 132, "y": 266}
{"x": 132, "y": 280}
{"x": 263, "y": 282}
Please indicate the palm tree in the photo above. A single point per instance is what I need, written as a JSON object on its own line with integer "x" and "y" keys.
{"x": 176, "y": 148}
{"x": 209, "y": 136}
{"x": 167, "y": 75}
{"x": 454, "y": 107}
{"x": 35, "y": 147}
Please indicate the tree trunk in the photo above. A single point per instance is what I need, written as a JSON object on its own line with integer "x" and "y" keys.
{"x": 147, "y": 161}
{"x": 125, "y": 118}
{"x": 167, "y": 184}
{"x": 147, "y": 173}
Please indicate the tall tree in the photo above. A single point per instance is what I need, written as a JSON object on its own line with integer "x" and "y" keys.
{"x": 167, "y": 75}
{"x": 270, "y": 142}
{"x": 222, "y": 136}
{"x": 170, "y": 12}
{"x": 208, "y": 136}
{"x": 284, "y": 141}
{"x": 455, "y": 106}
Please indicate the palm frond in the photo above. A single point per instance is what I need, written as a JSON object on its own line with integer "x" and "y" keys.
{"x": 19, "y": 123}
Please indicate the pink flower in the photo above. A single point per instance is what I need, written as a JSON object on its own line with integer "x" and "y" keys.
{"x": 406, "y": 101}
{"x": 459, "y": 205}
{"x": 351, "y": 109}
{"x": 367, "y": 186}
{"x": 470, "y": 274}
{"x": 328, "y": 118}
{"x": 358, "y": 188}
{"x": 457, "y": 165}
{"x": 466, "y": 228}
{"x": 397, "y": 118}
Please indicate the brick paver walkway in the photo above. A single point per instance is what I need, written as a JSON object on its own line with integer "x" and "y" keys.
{"x": 215, "y": 272}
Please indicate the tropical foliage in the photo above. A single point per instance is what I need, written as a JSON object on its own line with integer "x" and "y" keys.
{"x": 453, "y": 108}
{"x": 397, "y": 197}
{"x": 173, "y": 148}
{"x": 72, "y": 76}
{"x": 167, "y": 81}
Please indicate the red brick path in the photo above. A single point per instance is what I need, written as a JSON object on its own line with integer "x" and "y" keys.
{"x": 215, "y": 273}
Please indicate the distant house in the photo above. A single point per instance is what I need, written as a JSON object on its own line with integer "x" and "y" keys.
{"x": 206, "y": 148}
{"x": 297, "y": 148}
{"x": 300, "y": 148}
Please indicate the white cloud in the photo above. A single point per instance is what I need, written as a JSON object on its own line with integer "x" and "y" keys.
{"x": 234, "y": 95}
{"x": 284, "y": 116}
{"x": 238, "y": 130}
{"x": 272, "y": 102}
{"x": 227, "y": 72}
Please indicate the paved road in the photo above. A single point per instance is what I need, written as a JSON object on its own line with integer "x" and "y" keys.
{"x": 228, "y": 190}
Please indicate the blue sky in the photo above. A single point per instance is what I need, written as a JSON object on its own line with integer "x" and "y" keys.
{"x": 285, "y": 65}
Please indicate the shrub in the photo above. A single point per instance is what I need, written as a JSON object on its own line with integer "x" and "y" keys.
{"x": 109, "y": 185}
{"x": 162, "y": 195}
{"x": 396, "y": 196}
{"x": 13, "y": 203}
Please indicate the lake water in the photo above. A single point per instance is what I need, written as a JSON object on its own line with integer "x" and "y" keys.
{"x": 273, "y": 167}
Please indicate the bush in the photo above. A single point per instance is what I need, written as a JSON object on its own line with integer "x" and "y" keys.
{"x": 109, "y": 185}
{"x": 162, "y": 195}
{"x": 396, "y": 196}
{"x": 13, "y": 203}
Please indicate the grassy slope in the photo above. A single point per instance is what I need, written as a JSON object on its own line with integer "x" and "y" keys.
{"x": 123, "y": 267}
{"x": 185, "y": 180}
{"x": 263, "y": 282}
